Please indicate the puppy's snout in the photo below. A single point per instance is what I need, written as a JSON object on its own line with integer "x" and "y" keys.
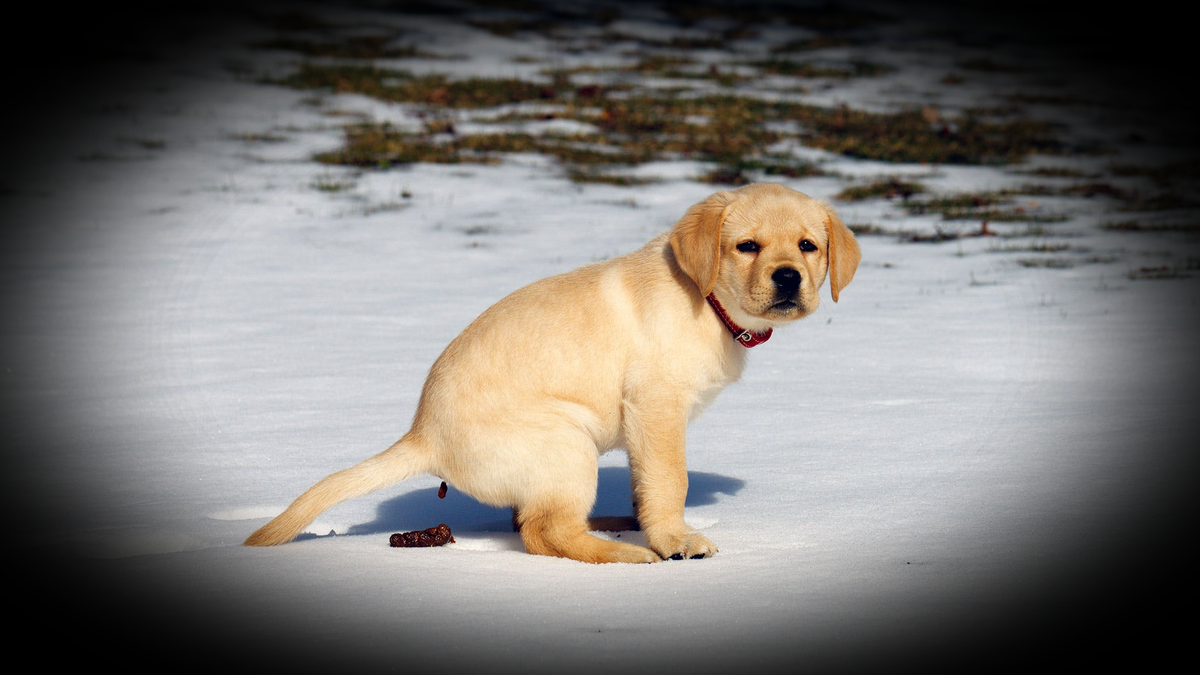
{"x": 787, "y": 281}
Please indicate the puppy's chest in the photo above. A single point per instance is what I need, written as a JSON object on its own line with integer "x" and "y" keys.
{"x": 710, "y": 381}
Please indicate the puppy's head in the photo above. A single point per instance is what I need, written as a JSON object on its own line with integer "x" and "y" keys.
{"x": 764, "y": 250}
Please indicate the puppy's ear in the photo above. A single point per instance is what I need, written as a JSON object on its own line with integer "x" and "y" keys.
{"x": 843, "y": 252}
{"x": 696, "y": 240}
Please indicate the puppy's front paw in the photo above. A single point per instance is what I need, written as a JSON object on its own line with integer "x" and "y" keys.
{"x": 681, "y": 546}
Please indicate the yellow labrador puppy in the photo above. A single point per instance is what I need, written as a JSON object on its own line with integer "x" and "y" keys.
{"x": 620, "y": 353}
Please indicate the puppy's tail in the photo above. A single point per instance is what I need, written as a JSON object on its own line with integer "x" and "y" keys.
{"x": 405, "y": 459}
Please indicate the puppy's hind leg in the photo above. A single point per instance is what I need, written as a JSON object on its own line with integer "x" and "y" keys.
{"x": 553, "y": 519}
{"x": 404, "y": 459}
{"x": 551, "y": 529}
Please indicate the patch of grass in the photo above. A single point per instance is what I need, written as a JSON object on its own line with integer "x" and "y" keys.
{"x": 741, "y": 171}
{"x": 385, "y": 207}
{"x": 580, "y": 175}
{"x": 634, "y": 125}
{"x": 401, "y": 86}
{"x": 722, "y": 129}
{"x": 332, "y": 184}
{"x": 1055, "y": 172}
{"x": 1088, "y": 190}
{"x": 725, "y": 175}
{"x": 868, "y": 229}
{"x": 728, "y": 130}
{"x": 1164, "y": 201}
{"x": 1036, "y": 247}
{"x": 789, "y": 167}
{"x": 1050, "y": 263}
{"x": 887, "y": 188}
{"x": 1031, "y": 229}
{"x": 477, "y": 230}
{"x": 725, "y": 77}
{"x": 1015, "y": 215}
{"x": 733, "y": 126}
{"x": 957, "y": 202}
{"x": 909, "y": 137}
{"x": 938, "y": 236}
{"x": 983, "y": 206}
{"x": 381, "y": 146}
{"x": 671, "y": 66}
{"x": 1093, "y": 189}
{"x": 487, "y": 144}
{"x": 946, "y": 234}
{"x": 1047, "y": 99}
{"x": 634, "y": 131}
{"x": 260, "y": 138}
{"x": 1140, "y": 226}
{"x": 1163, "y": 174}
{"x": 1159, "y": 272}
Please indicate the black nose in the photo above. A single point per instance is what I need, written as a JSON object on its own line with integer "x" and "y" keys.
{"x": 787, "y": 281}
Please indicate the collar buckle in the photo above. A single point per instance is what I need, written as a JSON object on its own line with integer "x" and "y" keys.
{"x": 743, "y": 336}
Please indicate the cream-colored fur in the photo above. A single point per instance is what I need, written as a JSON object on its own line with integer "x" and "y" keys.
{"x": 519, "y": 407}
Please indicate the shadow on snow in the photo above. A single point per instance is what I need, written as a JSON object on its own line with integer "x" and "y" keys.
{"x": 421, "y": 509}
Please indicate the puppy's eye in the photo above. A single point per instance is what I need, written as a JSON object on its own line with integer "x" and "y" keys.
{"x": 748, "y": 247}
{"x": 807, "y": 246}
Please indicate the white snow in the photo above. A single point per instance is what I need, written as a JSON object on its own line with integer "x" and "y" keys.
{"x": 950, "y": 455}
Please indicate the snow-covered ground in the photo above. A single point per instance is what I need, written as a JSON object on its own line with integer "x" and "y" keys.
{"x": 968, "y": 454}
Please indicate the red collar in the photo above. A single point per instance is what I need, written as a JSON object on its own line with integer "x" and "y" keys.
{"x": 744, "y": 337}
